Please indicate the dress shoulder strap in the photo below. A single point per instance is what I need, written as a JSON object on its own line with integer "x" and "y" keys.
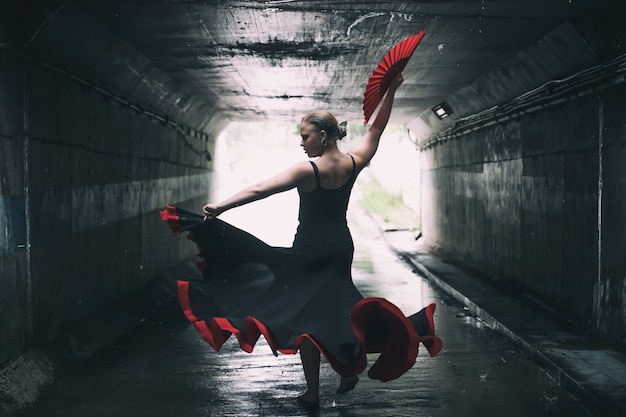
{"x": 353, "y": 166}
{"x": 317, "y": 173}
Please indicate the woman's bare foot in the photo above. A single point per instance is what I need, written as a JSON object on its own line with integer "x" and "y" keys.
{"x": 309, "y": 400}
{"x": 347, "y": 384}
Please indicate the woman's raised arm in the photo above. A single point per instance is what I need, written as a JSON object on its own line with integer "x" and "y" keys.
{"x": 364, "y": 151}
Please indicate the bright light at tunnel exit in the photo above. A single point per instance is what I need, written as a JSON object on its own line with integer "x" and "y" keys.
{"x": 248, "y": 152}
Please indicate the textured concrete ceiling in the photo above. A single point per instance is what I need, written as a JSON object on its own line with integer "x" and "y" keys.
{"x": 278, "y": 59}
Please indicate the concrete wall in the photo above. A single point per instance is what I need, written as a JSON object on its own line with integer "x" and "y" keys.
{"x": 83, "y": 175}
{"x": 519, "y": 201}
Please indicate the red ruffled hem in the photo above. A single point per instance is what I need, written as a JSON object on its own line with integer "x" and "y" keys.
{"x": 381, "y": 327}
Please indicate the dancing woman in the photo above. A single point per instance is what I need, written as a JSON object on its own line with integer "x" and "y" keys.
{"x": 302, "y": 298}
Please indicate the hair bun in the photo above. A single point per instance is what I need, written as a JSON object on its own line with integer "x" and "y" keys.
{"x": 343, "y": 130}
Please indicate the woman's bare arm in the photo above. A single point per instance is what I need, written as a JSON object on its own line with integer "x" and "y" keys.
{"x": 286, "y": 180}
{"x": 364, "y": 151}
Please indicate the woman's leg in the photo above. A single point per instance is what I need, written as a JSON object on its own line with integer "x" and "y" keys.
{"x": 347, "y": 384}
{"x": 310, "y": 357}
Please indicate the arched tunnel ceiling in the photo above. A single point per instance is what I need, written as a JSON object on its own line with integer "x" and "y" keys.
{"x": 275, "y": 60}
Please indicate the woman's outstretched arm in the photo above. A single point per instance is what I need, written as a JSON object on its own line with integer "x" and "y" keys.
{"x": 286, "y": 180}
{"x": 364, "y": 151}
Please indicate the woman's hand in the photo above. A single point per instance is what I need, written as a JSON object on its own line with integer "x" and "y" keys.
{"x": 211, "y": 211}
{"x": 396, "y": 81}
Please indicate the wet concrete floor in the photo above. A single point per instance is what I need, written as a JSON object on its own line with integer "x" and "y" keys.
{"x": 165, "y": 369}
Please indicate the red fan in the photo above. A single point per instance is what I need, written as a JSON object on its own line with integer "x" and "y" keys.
{"x": 391, "y": 64}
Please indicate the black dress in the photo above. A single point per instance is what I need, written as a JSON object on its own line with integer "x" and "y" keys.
{"x": 305, "y": 291}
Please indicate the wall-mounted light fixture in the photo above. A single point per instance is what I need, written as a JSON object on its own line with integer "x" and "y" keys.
{"x": 442, "y": 110}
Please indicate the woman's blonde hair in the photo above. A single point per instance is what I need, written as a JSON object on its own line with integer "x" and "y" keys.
{"x": 324, "y": 120}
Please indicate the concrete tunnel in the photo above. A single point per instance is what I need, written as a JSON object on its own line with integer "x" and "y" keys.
{"x": 110, "y": 110}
